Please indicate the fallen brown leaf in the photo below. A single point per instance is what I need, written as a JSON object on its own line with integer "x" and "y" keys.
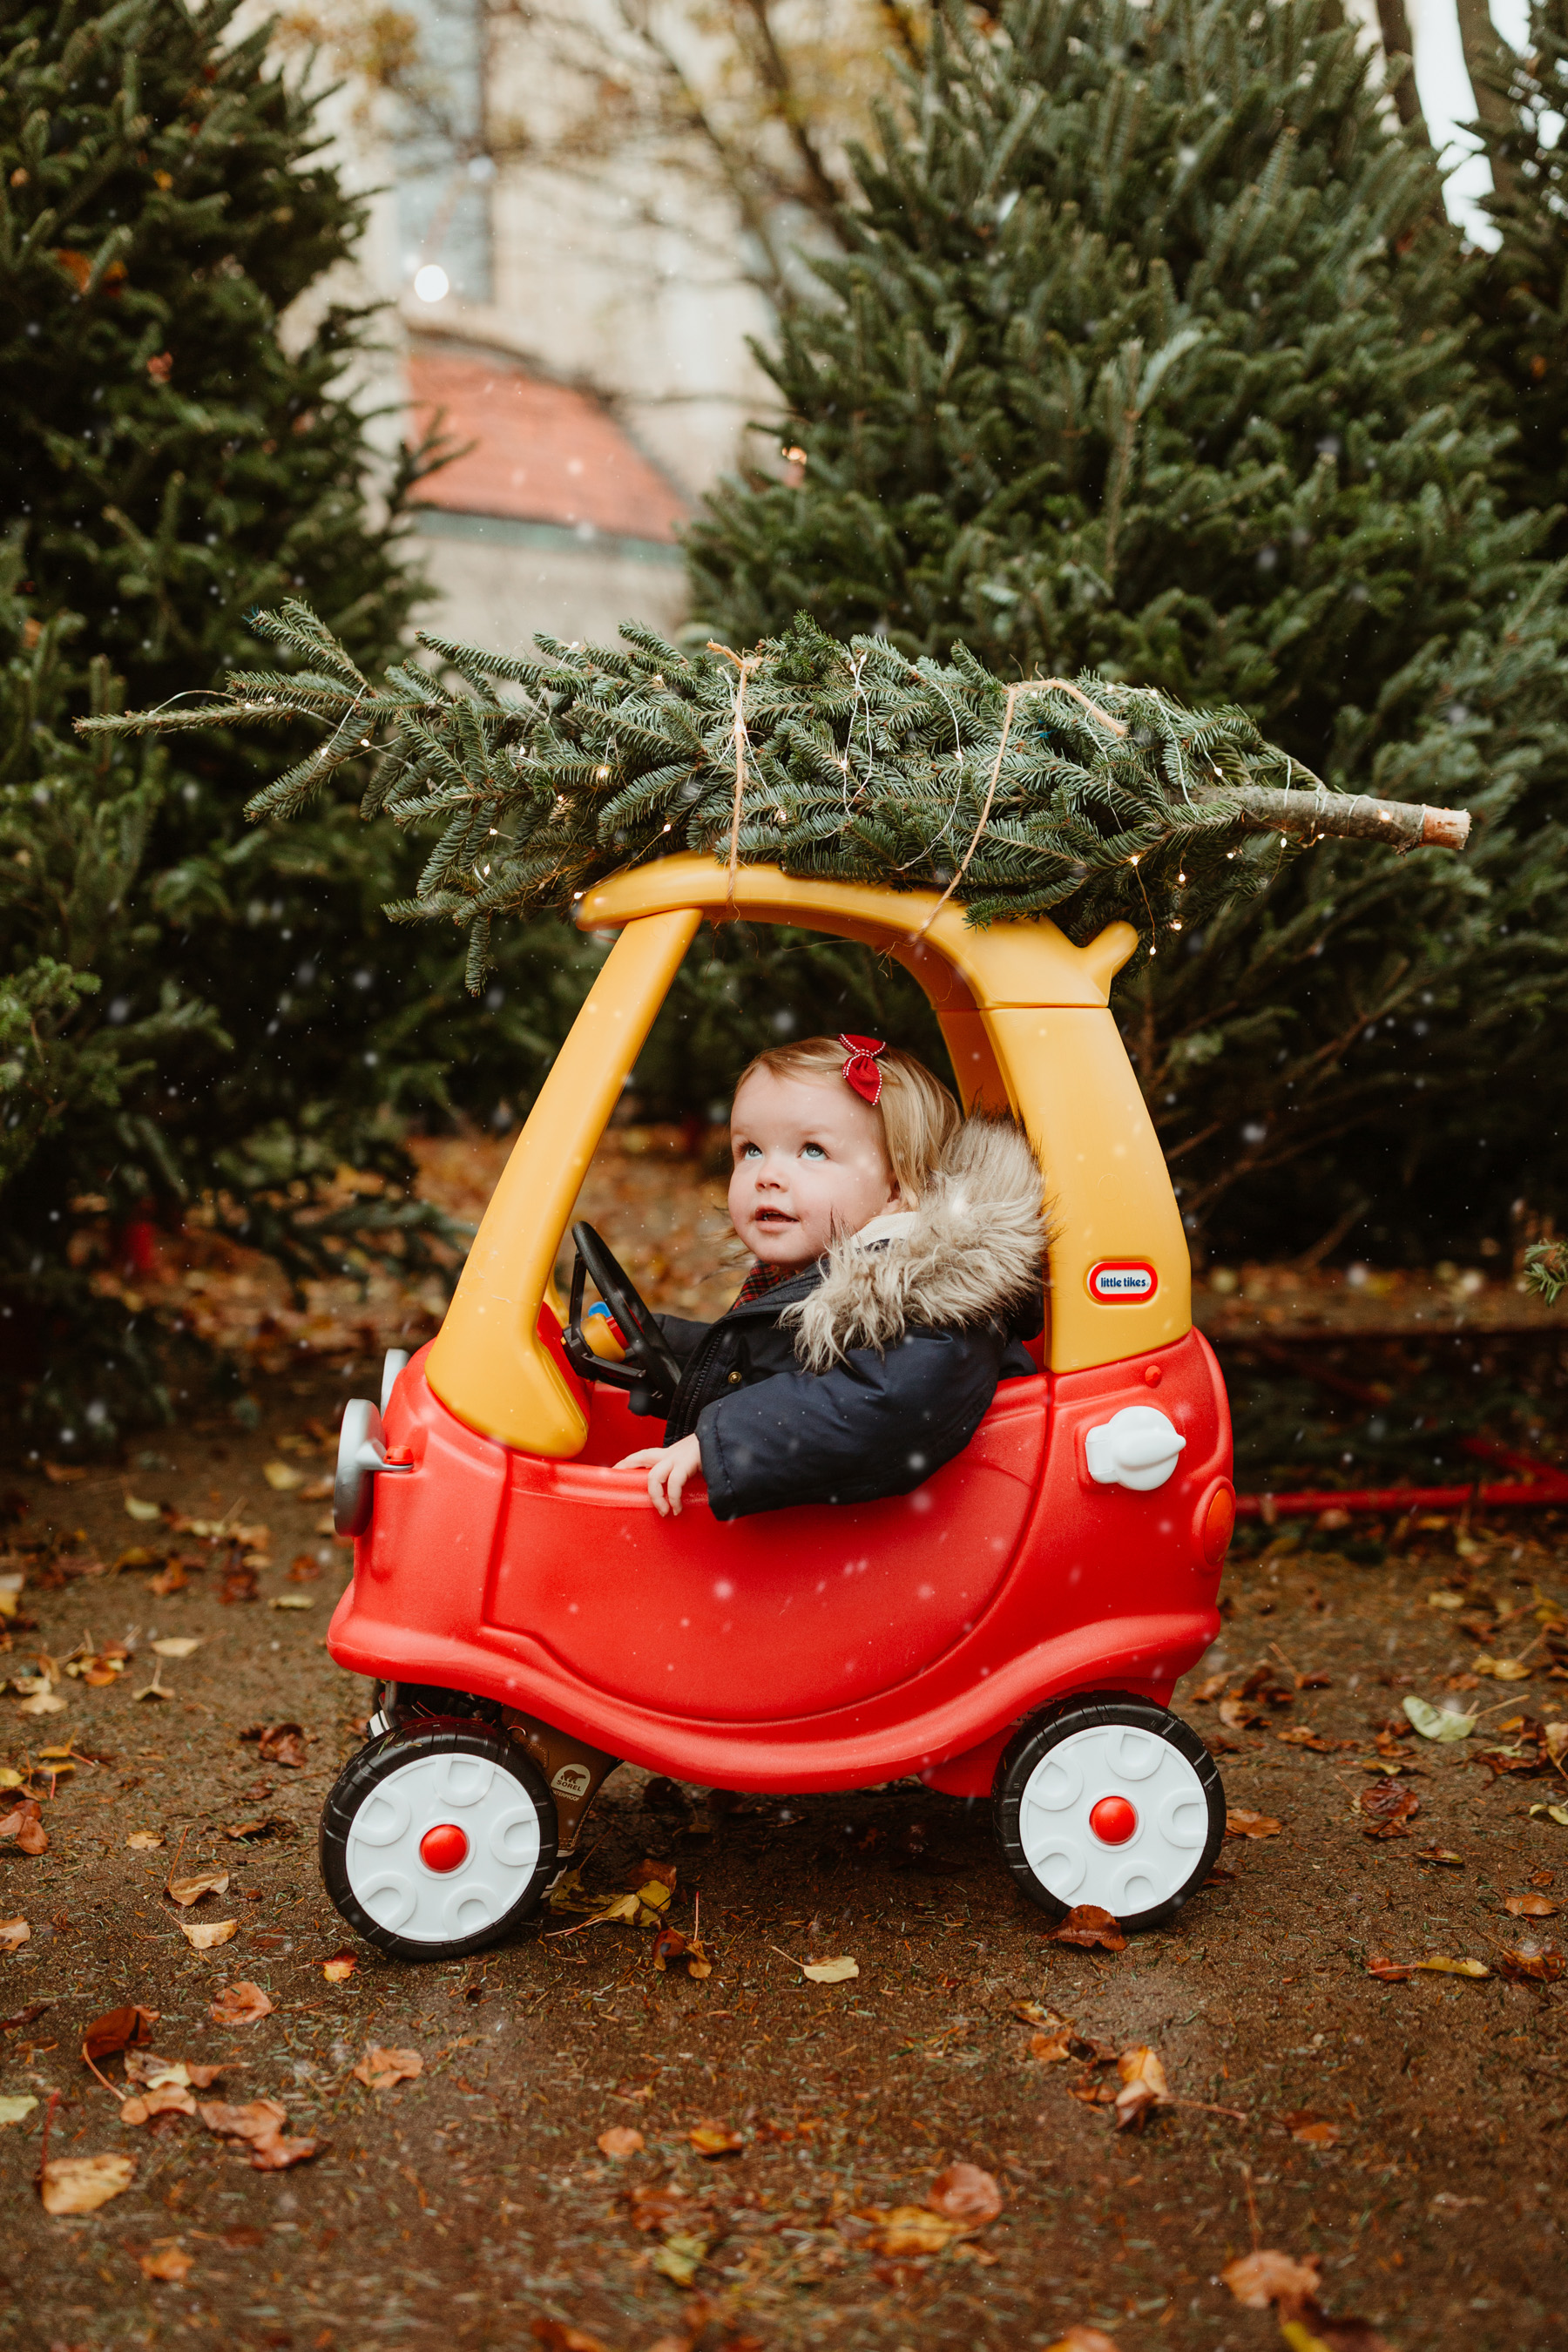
{"x": 205, "y": 1936}
{"x": 166, "y": 2099}
{"x": 965, "y": 2194}
{"x": 1518, "y": 1907}
{"x": 1238, "y": 1715}
{"x": 1388, "y": 1807}
{"x": 912, "y": 2230}
{"x": 1441, "y": 1853}
{"x": 339, "y": 1967}
{"x": 380, "y": 2068}
{"x": 1051, "y": 2049}
{"x": 256, "y": 2119}
{"x": 716, "y": 2139}
{"x": 620, "y": 2141}
{"x": 1143, "y": 2088}
{"x": 166, "y": 2263}
{"x": 1312, "y": 2130}
{"x": 119, "y": 2029}
{"x": 1209, "y": 1689}
{"x": 1259, "y": 2279}
{"x": 80, "y": 2184}
{"x": 1387, "y": 1971}
{"x": 15, "y": 1932}
{"x": 145, "y": 1841}
{"x": 1531, "y": 1963}
{"x": 240, "y": 2003}
{"x": 145, "y": 2066}
{"x": 1080, "y": 2338}
{"x": 1090, "y": 1928}
{"x": 24, "y": 1823}
{"x": 186, "y": 1891}
{"x": 557, "y": 2336}
{"x": 277, "y": 2154}
{"x": 280, "y": 1743}
{"x": 1240, "y": 1821}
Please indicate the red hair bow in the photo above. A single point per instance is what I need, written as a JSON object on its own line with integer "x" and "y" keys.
{"x": 860, "y": 1070}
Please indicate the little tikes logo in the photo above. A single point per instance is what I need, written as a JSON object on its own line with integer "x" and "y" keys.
{"x": 1122, "y": 1281}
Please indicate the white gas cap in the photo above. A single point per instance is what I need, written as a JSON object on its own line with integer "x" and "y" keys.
{"x": 1138, "y": 1446}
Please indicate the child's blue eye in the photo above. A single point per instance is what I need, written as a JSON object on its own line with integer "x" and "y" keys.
{"x": 751, "y": 1150}
{"x": 813, "y": 1151}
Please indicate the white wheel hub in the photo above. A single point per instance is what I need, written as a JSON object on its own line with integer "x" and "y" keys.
{"x": 1113, "y": 1815}
{"x": 443, "y": 1847}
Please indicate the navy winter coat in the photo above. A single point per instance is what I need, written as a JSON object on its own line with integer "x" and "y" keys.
{"x": 944, "y": 1304}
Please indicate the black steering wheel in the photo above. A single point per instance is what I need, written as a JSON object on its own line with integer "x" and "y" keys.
{"x": 650, "y": 1365}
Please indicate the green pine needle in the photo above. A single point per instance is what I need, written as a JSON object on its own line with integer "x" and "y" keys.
{"x": 544, "y": 777}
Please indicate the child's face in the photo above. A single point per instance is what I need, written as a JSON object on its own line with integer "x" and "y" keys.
{"x": 810, "y": 1166}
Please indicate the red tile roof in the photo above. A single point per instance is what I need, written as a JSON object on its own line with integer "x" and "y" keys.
{"x": 541, "y": 452}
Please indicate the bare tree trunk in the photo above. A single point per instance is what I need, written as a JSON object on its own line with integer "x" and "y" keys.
{"x": 1394, "y": 26}
{"x": 1487, "y": 61}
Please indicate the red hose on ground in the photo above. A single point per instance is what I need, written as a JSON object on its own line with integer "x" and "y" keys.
{"x": 1542, "y": 1487}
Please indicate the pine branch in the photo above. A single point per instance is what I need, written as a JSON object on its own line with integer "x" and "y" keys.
{"x": 1087, "y": 796}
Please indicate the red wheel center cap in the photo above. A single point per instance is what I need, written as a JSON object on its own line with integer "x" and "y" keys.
{"x": 1113, "y": 1821}
{"x": 446, "y": 1847}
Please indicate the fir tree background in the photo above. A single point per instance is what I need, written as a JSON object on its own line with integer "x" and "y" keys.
{"x": 1153, "y": 352}
{"x": 191, "y": 1003}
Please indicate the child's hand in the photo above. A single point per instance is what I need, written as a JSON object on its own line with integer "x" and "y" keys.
{"x": 669, "y": 1467}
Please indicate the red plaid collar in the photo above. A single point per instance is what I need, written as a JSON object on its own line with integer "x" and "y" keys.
{"x": 760, "y": 1281}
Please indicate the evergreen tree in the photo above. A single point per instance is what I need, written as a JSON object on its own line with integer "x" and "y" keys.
{"x": 1519, "y": 293}
{"x": 172, "y": 459}
{"x": 1147, "y": 356}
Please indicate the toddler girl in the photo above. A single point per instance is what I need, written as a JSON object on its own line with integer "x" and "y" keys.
{"x": 897, "y": 1250}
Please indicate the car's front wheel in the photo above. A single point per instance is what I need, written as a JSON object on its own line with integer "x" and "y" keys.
{"x": 1109, "y": 1799}
{"x": 438, "y": 1839}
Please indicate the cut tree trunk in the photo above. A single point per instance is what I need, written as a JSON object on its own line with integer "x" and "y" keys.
{"x": 1348, "y": 816}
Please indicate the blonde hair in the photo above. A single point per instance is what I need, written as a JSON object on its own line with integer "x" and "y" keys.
{"x": 917, "y": 1114}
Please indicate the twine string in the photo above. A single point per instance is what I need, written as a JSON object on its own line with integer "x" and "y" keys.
{"x": 1025, "y": 686}
{"x": 745, "y": 664}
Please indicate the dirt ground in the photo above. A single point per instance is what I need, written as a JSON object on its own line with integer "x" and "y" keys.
{"x": 1410, "y": 2134}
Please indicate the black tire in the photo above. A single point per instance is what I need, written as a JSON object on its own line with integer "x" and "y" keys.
{"x": 1150, "y": 1865}
{"x": 513, "y": 1860}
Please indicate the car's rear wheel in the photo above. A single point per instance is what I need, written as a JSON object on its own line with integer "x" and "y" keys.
{"x": 1109, "y": 1799}
{"x": 438, "y": 1839}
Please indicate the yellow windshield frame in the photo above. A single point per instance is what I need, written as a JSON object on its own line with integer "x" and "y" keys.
{"x": 1025, "y": 1017}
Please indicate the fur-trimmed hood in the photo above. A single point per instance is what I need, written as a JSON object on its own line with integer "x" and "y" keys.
{"x": 969, "y": 1254}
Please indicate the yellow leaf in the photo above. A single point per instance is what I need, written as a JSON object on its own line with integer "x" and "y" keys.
{"x": 203, "y": 1936}
{"x": 9, "y": 1778}
{"x": 1440, "y": 1967}
{"x": 681, "y": 2258}
{"x": 144, "y": 1841}
{"x": 16, "y": 2110}
{"x": 44, "y": 1702}
{"x": 135, "y": 1508}
{"x": 176, "y": 1645}
{"x": 836, "y": 1971}
{"x": 292, "y": 1601}
{"x": 80, "y": 2184}
{"x": 282, "y": 1477}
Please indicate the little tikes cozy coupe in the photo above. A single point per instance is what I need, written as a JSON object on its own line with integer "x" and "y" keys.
{"x": 1011, "y": 1629}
